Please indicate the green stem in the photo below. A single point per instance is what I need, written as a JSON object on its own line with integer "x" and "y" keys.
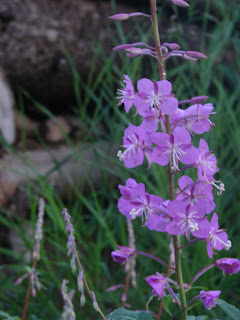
{"x": 172, "y": 195}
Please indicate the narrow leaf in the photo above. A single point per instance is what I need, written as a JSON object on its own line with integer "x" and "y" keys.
{"x": 167, "y": 300}
{"x": 229, "y": 309}
{"x": 6, "y": 316}
{"x": 197, "y": 318}
{"x": 124, "y": 314}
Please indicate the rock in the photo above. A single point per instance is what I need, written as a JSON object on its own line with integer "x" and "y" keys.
{"x": 7, "y": 123}
{"x": 24, "y": 123}
{"x": 56, "y": 129}
{"x": 78, "y": 165}
{"x": 36, "y": 36}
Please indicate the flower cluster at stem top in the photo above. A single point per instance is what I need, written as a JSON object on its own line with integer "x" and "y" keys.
{"x": 189, "y": 213}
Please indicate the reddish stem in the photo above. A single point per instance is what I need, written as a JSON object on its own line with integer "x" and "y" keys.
{"x": 28, "y": 291}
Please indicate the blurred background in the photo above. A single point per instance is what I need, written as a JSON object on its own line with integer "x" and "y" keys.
{"x": 61, "y": 131}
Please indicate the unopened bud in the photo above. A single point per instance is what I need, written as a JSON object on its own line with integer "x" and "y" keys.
{"x": 19, "y": 280}
{"x": 180, "y": 3}
{"x": 125, "y": 16}
{"x": 172, "y": 46}
{"x": 119, "y": 17}
{"x": 122, "y": 47}
{"x": 82, "y": 298}
{"x": 80, "y": 281}
{"x": 33, "y": 292}
{"x": 95, "y": 304}
{"x": 73, "y": 264}
{"x": 134, "y": 51}
{"x": 198, "y": 99}
{"x": 195, "y": 55}
{"x": 113, "y": 288}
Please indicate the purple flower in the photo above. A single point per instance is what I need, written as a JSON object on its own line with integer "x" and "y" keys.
{"x": 217, "y": 238}
{"x": 125, "y": 205}
{"x": 123, "y": 254}
{"x": 137, "y": 143}
{"x": 197, "y": 118}
{"x": 155, "y": 95}
{"x": 186, "y": 219}
{"x": 158, "y": 283}
{"x": 159, "y": 220}
{"x": 126, "y": 94}
{"x": 175, "y": 119}
{"x": 205, "y": 162}
{"x": 228, "y": 265}
{"x": 137, "y": 202}
{"x": 208, "y": 298}
{"x": 191, "y": 192}
{"x": 151, "y": 119}
{"x": 126, "y": 190}
{"x": 176, "y": 145}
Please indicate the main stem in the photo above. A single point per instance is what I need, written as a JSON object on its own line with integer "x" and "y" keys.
{"x": 172, "y": 196}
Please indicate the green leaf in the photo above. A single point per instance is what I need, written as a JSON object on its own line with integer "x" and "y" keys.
{"x": 124, "y": 314}
{"x": 6, "y": 316}
{"x": 167, "y": 300}
{"x": 149, "y": 300}
{"x": 229, "y": 309}
{"x": 194, "y": 304}
{"x": 197, "y": 318}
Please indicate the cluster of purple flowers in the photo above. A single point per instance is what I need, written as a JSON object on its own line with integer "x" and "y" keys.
{"x": 189, "y": 213}
{"x": 194, "y": 201}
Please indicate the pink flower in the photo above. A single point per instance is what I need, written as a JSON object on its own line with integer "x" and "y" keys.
{"x": 126, "y": 94}
{"x": 217, "y": 238}
{"x": 123, "y": 254}
{"x": 206, "y": 162}
{"x": 155, "y": 95}
{"x": 176, "y": 145}
{"x": 191, "y": 192}
{"x": 228, "y": 265}
{"x": 196, "y": 118}
{"x": 208, "y": 298}
{"x": 158, "y": 283}
{"x": 138, "y": 203}
{"x": 160, "y": 219}
{"x": 187, "y": 219}
{"x": 137, "y": 143}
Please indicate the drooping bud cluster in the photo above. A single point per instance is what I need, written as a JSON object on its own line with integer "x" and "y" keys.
{"x": 68, "y": 311}
{"x": 31, "y": 273}
{"x": 38, "y": 232}
{"x": 71, "y": 245}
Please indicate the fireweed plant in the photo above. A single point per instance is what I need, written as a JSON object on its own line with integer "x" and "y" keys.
{"x": 164, "y": 138}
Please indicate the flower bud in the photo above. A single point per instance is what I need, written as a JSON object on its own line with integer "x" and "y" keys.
{"x": 134, "y": 51}
{"x": 73, "y": 264}
{"x": 119, "y": 17}
{"x": 120, "y": 256}
{"x": 95, "y": 304}
{"x": 172, "y": 46}
{"x": 228, "y": 265}
{"x": 122, "y": 47}
{"x": 198, "y": 99}
{"x": 195, "y": 55}
{"x": 180, "y": 3}
{"x": 208, "y": 298}
{"x": 80, "y": 281}
{"x": 82, "y": 298}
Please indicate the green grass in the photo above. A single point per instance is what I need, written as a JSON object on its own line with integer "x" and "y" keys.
{"x": 98, "y": 224}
